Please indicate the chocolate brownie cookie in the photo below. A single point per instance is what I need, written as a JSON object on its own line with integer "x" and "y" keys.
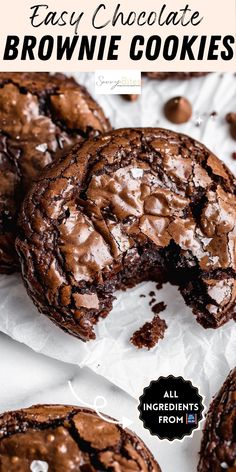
{"x": 174, "y": 75}
{"x": 131, "y": 205}
{"x": 69, "y": 438}
{"x": 218, "y": 448}
{"x": 41, "y": 115}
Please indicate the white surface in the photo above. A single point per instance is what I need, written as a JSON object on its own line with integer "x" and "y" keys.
{"x": 187, "y": 349}
{"x": 28, "y": 378}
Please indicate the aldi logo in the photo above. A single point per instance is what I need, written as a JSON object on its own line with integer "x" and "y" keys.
{"x": 191, "y": 418}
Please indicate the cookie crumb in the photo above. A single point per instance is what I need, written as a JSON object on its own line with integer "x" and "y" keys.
{"x": 159, "y": 285}
{"x": 130, "y": 97}
{"x": 149, "y": 334}
{"x": 153, "y": 300}
{"x": 213, "y": 114}
{"x": 158, "y": 308}
{"x": 231, "y": 119}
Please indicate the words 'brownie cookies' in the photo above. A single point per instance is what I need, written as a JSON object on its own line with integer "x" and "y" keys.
{"x": 128, "y": 206}
{"x": 69, "y": 438}
{"x": 41, "y": 115}
{"x": 218, "y": 449}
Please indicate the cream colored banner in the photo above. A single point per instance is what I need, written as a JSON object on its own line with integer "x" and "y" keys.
{"x": 174, "y": 35}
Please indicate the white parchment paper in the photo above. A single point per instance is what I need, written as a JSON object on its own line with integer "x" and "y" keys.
{"x": 203, "y": 356}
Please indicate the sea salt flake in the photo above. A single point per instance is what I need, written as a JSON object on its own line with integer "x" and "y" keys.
{"x": 136, "y": 172}
{"x": 39, "y": 466}
{"x": 215, "y": 259}
{"x": 42, "y": 147}
{"x": 198, "y": 121}
{"x": 206, "y": 241}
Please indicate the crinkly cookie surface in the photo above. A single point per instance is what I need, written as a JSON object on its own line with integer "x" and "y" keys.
{"x": 41, "y": 116}
{"x": 218, "y": 449}
{"x": 131, "y": 205}
{"x": 67, "y": 439}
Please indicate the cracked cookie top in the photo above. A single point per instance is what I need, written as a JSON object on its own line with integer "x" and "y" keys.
{"x": 41, "y": 116}
{"x": 69, "y": 438}
{"x": 115, "y": 195}
{"x": 218, "y": 449}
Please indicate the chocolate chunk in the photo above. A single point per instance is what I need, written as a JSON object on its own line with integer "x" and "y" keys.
{"x": 125, "y": 207}
{"x": 69, "y": 439}
{"x": 41, "y": 116}
{"x": 218, "y": 448}
{"x": 149, "y": 334}
{"x": 178, "y": 110}
{"x": 231, "y": 119}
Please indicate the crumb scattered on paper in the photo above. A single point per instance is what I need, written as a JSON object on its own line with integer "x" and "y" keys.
{"x": 149, "y": 334}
